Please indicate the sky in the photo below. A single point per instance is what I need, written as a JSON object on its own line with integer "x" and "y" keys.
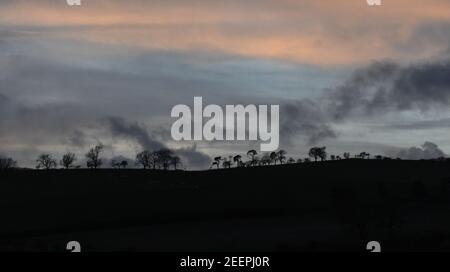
{"x": 346, "y": 75}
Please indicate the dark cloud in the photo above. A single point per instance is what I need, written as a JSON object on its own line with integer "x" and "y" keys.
{"x": 304, "y": 118}
{"x": 427, "y": 151}
{"x": 386, "y": 86}
{"x": 377, "y": 89}
{"x": 134, "y": 131}
{"x": 119, "y": 127}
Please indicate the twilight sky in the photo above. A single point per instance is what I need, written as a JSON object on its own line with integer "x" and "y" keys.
{"x": 349, "y": 76}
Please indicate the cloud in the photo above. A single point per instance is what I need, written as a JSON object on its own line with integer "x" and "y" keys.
{"x": 134, "y": 131}
{"x": 372, "y": 91}
{"x": 76, "y": 139}
{"x": 119, "y": 127}
{"x": 421, "y": 125}
{"x": 313, "y": 32}
{"x": 304, "y": 117}
{"x": 387, "y": 86}
{"x": 193, "y": 158}
{"x": 427, "y": 151}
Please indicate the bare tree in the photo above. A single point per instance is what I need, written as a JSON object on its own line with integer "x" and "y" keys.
{"x": 93, "y": 157}
{"x": 175, "y": 161}
{"x": 252, "y": 155}
{"x": 346, "y": 155}
{"x": 273, "y": 157}
{"x": 144, "y": 159}
{"x": 364, "y": 155}
{"x": 7, "y": 163}
{"x": 318, "y": 152}
{"x": 119, "y": 164}
{"x": 46, "y": 161}
{"x": 115, "y": 164}
{"x": 238, "y": 160}
{"x": 281, "y": 156}
{"x": 227, "y": 163}
{"x": 164, "y": 157}
{"x": 216, "y": 162}
{"x": 68, "y": 160}
{"x": 123, "y": 164}
{"x": 265, "y": 159}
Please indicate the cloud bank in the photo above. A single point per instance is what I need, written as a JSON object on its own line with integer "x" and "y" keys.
{"x": 427, "y": 151}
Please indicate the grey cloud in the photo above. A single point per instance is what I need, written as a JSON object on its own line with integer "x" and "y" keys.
{"x": 77, "y": 139}
{"x": 121, "y": 128}
{"x": 377, "y": 89}
{"x": 190, "y": 156}
{"x": 427, "y": 151}
{"x": 421, "y": 125}
{"x": 193, "y": 157}
{"x": 304, "y": 117}
{"x": 386, "y": 86}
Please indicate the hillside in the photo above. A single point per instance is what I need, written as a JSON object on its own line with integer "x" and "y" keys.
{"x": 335, "y": 205}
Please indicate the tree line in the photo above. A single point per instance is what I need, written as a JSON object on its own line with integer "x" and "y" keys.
{"x": 279, "y": 157}
{"x": 159, "y": 159}
{"x": 165, "y": 159}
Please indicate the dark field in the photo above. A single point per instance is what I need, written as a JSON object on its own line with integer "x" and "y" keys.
{"x": 329, "y": 206}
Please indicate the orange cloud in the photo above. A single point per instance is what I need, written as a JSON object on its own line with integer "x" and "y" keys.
{"x": 314, "y": 32}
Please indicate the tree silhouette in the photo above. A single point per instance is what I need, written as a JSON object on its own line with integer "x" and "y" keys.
{"x": 175, "y": 161}
{"x": 154, "y": 160}
{"x": 144, "y": 159}
{"x": 227, "y": 163}
{"x": 7, "y": 163}
{"x": 291, "y": 160}
{"x": 364, "y": 155}
{"x": 164, "y": 157}
{"x": 318, "y": 152}
{"x": 46, "y": 161}
{"x": 124, "y": 164}
{"x": 274, "y": 157}
{"x": 238, "y": 160}
{"x": 281, "y": 156}
{"x": 252, "y": 155}
{"x": 68, "y": 160}
{"x": 119, "y": 164}
{"x": 265, "y": 159}
{"x": 346, "y": 155}
{"x": 115, "y": 164}
{"x": 217, "y": 161}
{"x": 93, "y": 157}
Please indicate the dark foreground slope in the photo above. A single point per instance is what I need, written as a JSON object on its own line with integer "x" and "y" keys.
{"x": 338, "y": 205}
